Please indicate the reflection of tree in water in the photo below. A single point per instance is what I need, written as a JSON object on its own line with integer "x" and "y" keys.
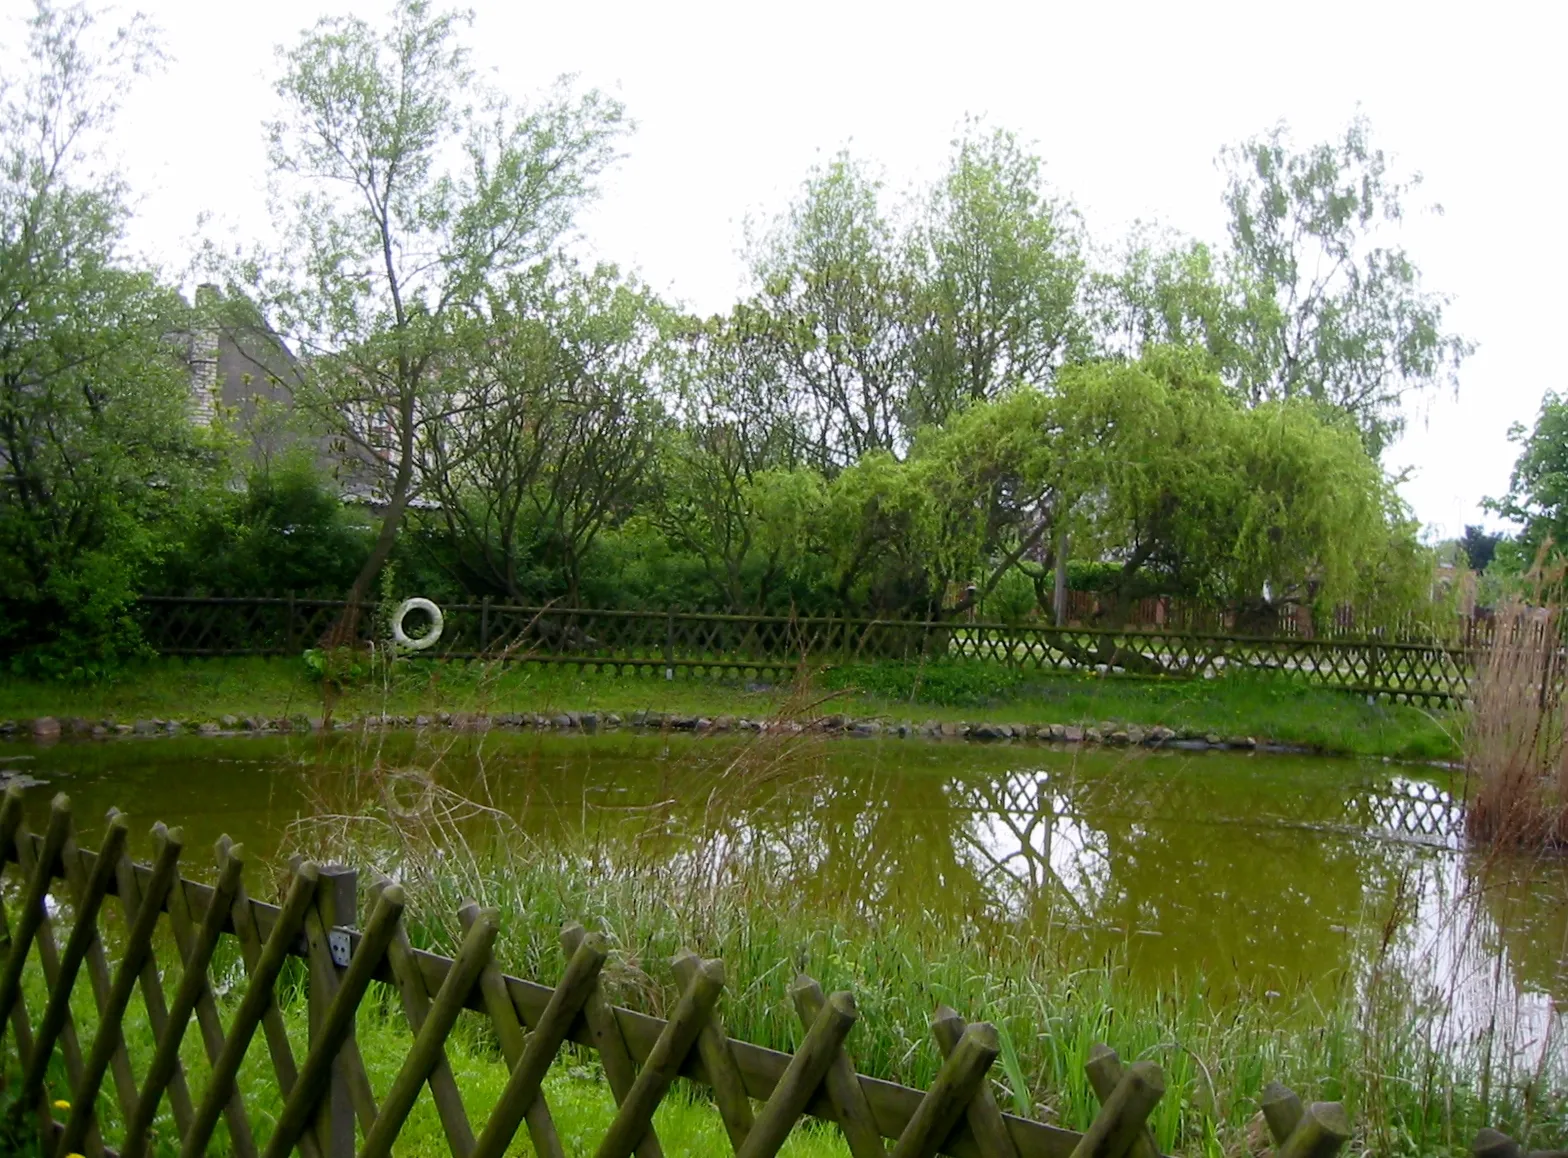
{"x": 1218, "y": 879}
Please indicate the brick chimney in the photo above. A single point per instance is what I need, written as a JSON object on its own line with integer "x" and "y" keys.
{"x": 205, "y": 391}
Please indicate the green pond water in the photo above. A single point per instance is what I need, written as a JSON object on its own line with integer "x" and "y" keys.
{"x": 1224, "y": 872}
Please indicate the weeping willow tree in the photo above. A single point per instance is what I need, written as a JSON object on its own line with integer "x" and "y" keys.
{"x": 1152, "y": 466}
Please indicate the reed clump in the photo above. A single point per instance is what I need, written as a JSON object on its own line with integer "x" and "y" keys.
{"x": 1514, "y": 743}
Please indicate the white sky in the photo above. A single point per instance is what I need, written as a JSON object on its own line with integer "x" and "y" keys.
{"x": 1128, "y": 104}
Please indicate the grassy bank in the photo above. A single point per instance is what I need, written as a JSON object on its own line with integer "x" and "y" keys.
{"x": 1278, "y": 709}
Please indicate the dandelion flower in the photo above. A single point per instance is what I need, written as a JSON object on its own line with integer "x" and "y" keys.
{"x": 62, "y": 1104}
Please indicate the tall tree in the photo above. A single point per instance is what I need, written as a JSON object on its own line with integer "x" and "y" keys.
{"x": 999, "y": 268}
{"x": 96, "y": 444}
{"x": 837, "y": 299}
{"x": 1537, "y": 497}
{"x": 408, "y": 192}
{"x": 730, "y": 486}
{"x": 558, "y": 426}
{"x": 1337, "y": 310}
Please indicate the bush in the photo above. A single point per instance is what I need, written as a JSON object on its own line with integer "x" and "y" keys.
{"x": 286, "y": 531}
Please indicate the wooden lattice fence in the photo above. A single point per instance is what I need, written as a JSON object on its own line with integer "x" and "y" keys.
{"x": 57, "y": 1068}
{"x": 670, "y": 643}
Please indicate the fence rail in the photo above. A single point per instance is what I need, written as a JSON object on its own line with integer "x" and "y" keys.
{"x": 327, "y": 1098}
{"x": 700, "y": 643}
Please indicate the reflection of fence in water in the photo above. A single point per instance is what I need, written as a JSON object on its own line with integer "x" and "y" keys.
{"x": 691, "y": 643}
{"x": 1028, "y": 838}
{"x": 1409, "y": 808}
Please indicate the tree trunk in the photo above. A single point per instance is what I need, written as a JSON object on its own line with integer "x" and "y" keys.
{"x": 345, "y": 629}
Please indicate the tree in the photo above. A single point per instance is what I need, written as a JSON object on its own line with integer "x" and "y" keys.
{"x": 409, "y": 192}
{"x": 97, "y": 450}
{"x": 998, "y": 264}
{"x": 836, "y": 301}
{"x": 1537, "y": 497}
{"x": 1478, "y": 547}
{"x": 557, "y": 427}
{"x": 730, "y": 487}
{"x": 1335, "y": 313}
{"x": 1173, "y": 291}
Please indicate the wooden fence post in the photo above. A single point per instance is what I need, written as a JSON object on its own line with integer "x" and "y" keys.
{"x": 484, "y": 626}
{"x": 336, "y": 902}
{"x": 293, "y": 639}
{"x": 669, "y": 644}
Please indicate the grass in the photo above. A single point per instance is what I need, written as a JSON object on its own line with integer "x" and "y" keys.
{"x": 579, "y": 1098}
{"x": 1276, "y": 708}
{"x": 1415, "y": 1076}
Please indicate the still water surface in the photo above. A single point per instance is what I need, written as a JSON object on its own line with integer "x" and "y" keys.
{"x": 1224, "y": 873}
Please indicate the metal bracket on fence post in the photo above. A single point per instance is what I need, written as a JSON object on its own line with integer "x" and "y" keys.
{"x": 336, "y": 902}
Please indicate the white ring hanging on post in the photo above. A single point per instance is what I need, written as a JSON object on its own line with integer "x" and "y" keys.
{"x": 426, "y": 640}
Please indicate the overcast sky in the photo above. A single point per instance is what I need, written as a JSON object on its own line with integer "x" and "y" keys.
{"x": 1127, "y": 103}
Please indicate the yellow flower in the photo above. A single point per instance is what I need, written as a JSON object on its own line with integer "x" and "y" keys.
{"x": 62, "y": 1104}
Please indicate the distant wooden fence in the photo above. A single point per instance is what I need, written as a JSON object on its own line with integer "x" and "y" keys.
{"x": 675, "y": 643}
{"x": 760, "y": 1093}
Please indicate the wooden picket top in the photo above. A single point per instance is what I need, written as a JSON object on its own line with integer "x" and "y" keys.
{"x": 330, "y": 1109}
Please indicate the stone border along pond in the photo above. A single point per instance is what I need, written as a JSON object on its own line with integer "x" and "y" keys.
{"x": 49, "y": 728}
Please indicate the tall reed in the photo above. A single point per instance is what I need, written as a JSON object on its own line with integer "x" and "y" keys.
{"x": 1514, "y": 743}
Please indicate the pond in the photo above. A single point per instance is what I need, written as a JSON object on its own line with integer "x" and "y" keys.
{"x": 1228, "y": 874}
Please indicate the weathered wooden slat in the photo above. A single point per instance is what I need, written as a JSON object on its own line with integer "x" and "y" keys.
{"x": 1105, "y": 1072}
{"x": 509, "y": 1030}
{"x": 842, "y": 1088}
{"x": 1282, "y": 1110}
{"x": 538, "y": 1053}
{"x": 430, "y": 1037}
{"x": 663, "y": 1062}
{"x": 188, "y": 935}
{"x": 1321, "y": 1133}
{"x": 132, "y": 890}
{"x": 242, "y": 921}
{"x": 138, "y": 950}
{"x": 33, "y": 914}
{"x": 193, "y": 982}
{"x": 258, "y": 999}
{"x": 315, "y": 1073}
{"x": 729, "y": 1088}
{"x": 983, "y": 1114}
{"x": 78, "y": 873}
{"x": 800, "y": 1078}
{"x": 416, "y": 1009}
{"x": 1123, "y": 1114}
{"x": 606, "y": 1033}
{"x": 951, "y": 1093}
{"x": 58, "y": 1011}
{"x": 336, "y": 1123}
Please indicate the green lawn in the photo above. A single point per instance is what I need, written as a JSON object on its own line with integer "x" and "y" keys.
{"x": 1278, "y": 709}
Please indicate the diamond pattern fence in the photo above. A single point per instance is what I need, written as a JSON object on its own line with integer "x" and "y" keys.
{"x": 75, "y": 1080}
{"x": 683, "y": 643}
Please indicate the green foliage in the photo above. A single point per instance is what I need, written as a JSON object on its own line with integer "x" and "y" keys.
{"x": 1537, "y": 497}
{"x": 1312, "y": 299}
{"x": 339, "y": 667}
{"x": 287, "y": 531}
{"x": 997, "y": 261}
{"x": 393, "y": 160}
{"x": 98, "y": 457}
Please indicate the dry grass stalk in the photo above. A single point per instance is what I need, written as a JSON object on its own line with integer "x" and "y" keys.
{"x": 1514, "y": 742}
